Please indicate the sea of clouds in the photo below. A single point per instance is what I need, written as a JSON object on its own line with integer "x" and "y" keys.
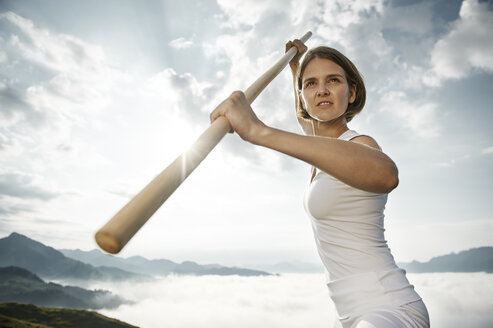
{"x": 288, "y": 300}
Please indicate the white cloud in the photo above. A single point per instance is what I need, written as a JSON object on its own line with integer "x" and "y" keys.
{"x": 248, "y": 13}
{"x": 21, "y": 185}
{"x": 292, "y": 300}
{"x": 456, "y": 299}
{"x": 468, "y": 45}
{"x": 488, "y": 150}
{"x": 414, "y": 19}
{"x": 60, "y": 52}
{"x": 215, "y": 301}
{"x": 83, "y": 75}
{"x": 46, "y": 123}
{"x": 181, "y": 43}
{"x": 418, "y": 117}
{"x": 187, "y": 96}
{"x": 453, "y": 161}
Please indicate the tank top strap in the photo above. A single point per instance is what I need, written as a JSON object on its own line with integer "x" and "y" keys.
{"x": 348, "y": 135}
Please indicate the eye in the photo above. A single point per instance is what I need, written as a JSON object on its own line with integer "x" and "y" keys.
{"x": 309, "y": 84}
{"x": 333, "y": 80}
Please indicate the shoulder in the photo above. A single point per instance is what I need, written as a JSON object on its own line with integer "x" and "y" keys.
{"x": 366, "y": 140}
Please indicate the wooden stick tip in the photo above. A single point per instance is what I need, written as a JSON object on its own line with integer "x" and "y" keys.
{"x": 108, "y": 242}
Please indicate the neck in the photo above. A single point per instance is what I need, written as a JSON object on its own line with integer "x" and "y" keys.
{"x": 331, "y": 129}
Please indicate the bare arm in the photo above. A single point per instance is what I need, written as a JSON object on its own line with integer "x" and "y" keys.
{"x": 360, "y": 164}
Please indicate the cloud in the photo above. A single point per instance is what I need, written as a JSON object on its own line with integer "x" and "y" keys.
{"x": 61, "y": 83}
{"x": 488, "y": 150}
{"x": 418, "y": 117}
{"x": 80, "y": 75}
{"x": 59, "y": 52}
{"x": 285, "y": 301}
{"x": 188, "y": 97}
{"x": 467, "y": 46}
{"x": 23, "y": 186}
{"x": 414, "y": 19}
{"x": 454, "y": 161}
{"x": 291, "y": 300}
{"x": 9, "y": 209}
{"x": 15, "y": 107}
{"x": 240, "y": 14}
{"x": 180, "y": 43}
{"x": 456, "y": 299}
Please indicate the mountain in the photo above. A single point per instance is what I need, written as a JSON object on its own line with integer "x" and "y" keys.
{"x": 473, "y": 260}
{"x": 21, "y": 285}
{"x": 15, "y": 315}
{"x": 21, "y": 251}
{"x": 291, "y": 267}
{"x": 139, "y": 264}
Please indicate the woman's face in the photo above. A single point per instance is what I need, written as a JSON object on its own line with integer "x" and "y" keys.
{"x": 325, "y": 90}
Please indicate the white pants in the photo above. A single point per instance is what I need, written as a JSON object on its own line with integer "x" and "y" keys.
{"x": 411, "y": 315}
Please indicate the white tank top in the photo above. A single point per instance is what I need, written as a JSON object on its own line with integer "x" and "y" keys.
{"x": 349, "y": 233}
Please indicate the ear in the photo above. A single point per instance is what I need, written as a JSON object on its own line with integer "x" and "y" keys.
{"x": 352, "y": 93}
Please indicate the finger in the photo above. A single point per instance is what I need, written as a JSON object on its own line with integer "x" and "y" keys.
{"x": 300, "y": 46}
{"x": 289, "y": 44}
{"x": 218, "y": 111}
{"x": 238, "y": 97}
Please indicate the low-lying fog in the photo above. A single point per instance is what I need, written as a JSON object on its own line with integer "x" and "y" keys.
{"x": 289, "y": 300}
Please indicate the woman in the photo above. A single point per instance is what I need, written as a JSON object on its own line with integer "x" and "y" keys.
{"x": 348, "y": 189}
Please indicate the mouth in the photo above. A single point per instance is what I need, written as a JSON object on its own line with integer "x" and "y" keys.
{"x": 324, "y": 103}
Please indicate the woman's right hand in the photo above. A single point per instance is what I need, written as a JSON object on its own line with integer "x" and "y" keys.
{"x": 301, "y": 50}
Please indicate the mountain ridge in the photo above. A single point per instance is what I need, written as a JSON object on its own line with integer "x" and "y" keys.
{"x": 140, "y": 264}
{"x": 49, "y": 263}
{"x": 472, "y": 260}
{"x": 23, "y": 286}
{"x": 478, "y": 259}
{"x": 20, "y": 251}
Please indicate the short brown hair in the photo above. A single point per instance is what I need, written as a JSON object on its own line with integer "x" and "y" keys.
{"x": 352, "y": 75}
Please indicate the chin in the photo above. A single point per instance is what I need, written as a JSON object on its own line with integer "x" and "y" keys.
{"x": 324, "y": 119}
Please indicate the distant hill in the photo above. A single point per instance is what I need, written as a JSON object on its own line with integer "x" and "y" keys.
{"x": 21, "y": 285}
{"x": 473, "y": 260}
{"x": 292, "y": 267}
{"x": 21, "y": 251}
{"x": 139, "y": 264}
{"x": 15, "y": 315}
{"x": 80, "y": 266}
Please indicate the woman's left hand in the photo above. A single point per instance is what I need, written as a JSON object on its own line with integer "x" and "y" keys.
{"x": 240, "y": 115}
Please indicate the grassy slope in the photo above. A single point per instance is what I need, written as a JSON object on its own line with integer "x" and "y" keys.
{"x": 16, "y": 315}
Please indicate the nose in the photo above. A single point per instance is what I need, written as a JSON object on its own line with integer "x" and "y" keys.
{"x": 322, "y": 90}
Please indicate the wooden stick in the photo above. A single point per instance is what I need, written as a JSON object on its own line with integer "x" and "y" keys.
{"x": 115, "y": 234}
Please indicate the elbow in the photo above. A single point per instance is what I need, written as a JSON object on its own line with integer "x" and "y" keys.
{"x": 392, "y": 183}
{"x": 387, "y": 180}
{"x": 392, "y": 180}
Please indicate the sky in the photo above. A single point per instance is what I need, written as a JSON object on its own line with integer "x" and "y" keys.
{"x": 98, "y": 97}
